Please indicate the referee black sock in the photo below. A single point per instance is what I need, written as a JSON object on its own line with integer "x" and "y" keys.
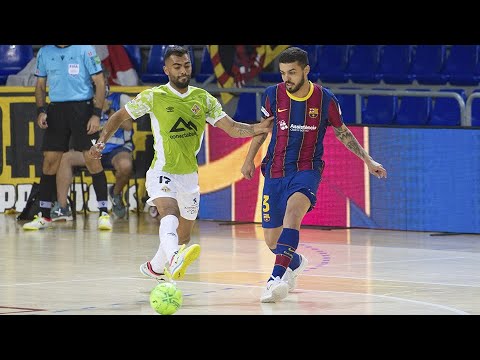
{"x": 48, "y": 189}
{"x": 99, "y": 181}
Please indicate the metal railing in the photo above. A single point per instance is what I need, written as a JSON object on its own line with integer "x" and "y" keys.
{"x": 359, "y": 92}
{"x": 464, "y": 106}
{"x": 470, "y": 98}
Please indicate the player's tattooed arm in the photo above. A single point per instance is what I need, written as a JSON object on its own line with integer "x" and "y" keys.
{"x": 241, "y": 130}
{"x": 350, "y": 141}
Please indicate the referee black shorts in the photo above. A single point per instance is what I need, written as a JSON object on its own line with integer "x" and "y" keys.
{"x": 65, "y": 120}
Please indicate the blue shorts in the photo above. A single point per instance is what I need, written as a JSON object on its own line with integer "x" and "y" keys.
{"x": 276, "y": 193}
{"x": 108, "y": 157}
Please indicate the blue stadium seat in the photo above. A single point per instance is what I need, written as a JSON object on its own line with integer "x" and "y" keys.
{"x": 363, "y": 64}
{"x": 394, "y": 64}
{"x": 446, "y": 111}
{"x": 331, "y": 63}
{"x": 156, "y": 60}
{"x": 461, "y": 65}
{"x": 191, "y": 55}
{"x": 270, "y": 77}
{"x": 135, "y": 55}
{"x": 348, "y": 107}
{"x": 275, "y": 77}
{"x": 414, "y": 110}
{"x": 380, "y": 110}
{"x": 427, "y": 64}
{"x": 154, "y": 72}
{"x": 13, "y": 58}
{"x": 312, "y": 60}
{"x": 246, "y": 111}
{"x": 206, "y": 67}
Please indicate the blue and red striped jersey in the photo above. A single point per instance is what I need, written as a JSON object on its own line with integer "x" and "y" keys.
{"x": 299, "y": 128}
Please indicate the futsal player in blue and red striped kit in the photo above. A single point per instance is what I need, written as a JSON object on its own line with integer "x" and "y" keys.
{"x": 293, "y": 164}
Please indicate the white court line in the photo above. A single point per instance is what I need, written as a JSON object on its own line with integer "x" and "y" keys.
{"x": 456, "y": 311}
{"x": 340, "y": 277}
{"x": 396, "y": 261}
{"x": 448, "y": 308}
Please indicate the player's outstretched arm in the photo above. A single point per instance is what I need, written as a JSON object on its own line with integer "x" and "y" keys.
{"x": 112, "y": 125}
{"x": 344, "y": 135}
{"x": 240, "y": 130}
{"x": 248, "y": 168}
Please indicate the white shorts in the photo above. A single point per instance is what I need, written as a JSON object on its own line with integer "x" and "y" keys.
{"x": 184, "y": 188}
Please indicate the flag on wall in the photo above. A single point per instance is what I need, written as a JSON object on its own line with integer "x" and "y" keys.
{"x": 117, "y": 65}
{"x": 234, "y": 65}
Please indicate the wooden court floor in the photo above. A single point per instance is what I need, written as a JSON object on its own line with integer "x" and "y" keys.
{"x": 73, "y": 269}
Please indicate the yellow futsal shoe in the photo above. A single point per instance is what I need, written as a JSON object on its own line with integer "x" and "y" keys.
{"x": 181, "y": 260}
{"x": 104, "y": 222}
{"x": 38, "y": 222}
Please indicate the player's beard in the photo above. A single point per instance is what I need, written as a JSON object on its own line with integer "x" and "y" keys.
{"x": 294, "y": 89}
{"x": 182, "y": 84}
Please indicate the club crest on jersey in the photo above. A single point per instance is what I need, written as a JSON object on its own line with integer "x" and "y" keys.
{"x": 313, "y": 112}
{"x": 195, "y": 109}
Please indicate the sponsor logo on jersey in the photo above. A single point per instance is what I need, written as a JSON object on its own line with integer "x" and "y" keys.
{"x": 183, "y": 129}
{"x": 302, "y": 128}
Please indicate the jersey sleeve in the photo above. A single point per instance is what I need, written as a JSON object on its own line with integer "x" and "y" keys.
{"x": 334, "y": 113}
{"x": 214, "y": 110}
{"x": 92, "y": 60}
{"x": 141, "y": 104}
{"x": 266, "y": 108}
{"x": 40, "y": 71}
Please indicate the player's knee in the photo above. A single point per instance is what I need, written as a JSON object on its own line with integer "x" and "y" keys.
{"x": 124, "y": 168}
{"x": 271, "y": 242}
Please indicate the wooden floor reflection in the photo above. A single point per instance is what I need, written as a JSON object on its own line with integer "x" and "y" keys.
{"x": 75, "y": 269}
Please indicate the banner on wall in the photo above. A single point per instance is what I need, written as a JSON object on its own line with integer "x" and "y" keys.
{"x": 21, "y": 155}
{"x": 421, "y": 193}
{"x": 235, "y": 65}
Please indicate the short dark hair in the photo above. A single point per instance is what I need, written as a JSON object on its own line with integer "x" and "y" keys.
{"x": 176, "y": 50}
{"x": 294, "y": 54}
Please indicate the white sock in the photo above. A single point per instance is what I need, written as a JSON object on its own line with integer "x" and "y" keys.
{"x": 159, "y": 260}
{"x": 168, "y": 235}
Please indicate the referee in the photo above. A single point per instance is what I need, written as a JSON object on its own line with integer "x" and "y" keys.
{"x": 71, "y": 115}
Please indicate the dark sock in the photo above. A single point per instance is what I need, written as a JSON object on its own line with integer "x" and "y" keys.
{"x": 48, "y": 189}
{"x": 99, "y": 181}
{"x": 286, "y": 245}
{"x": 294, "y": 263}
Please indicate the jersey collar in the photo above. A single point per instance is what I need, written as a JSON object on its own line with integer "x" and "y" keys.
{"x": 178, "y": 93}
{"x": 310, "y": 92}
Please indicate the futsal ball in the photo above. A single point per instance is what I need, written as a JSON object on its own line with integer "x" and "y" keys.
{"x": 166, "y": 298}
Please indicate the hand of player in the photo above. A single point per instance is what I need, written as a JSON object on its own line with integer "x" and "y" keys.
{"x": 265, "y": 126}
{"x": 376, "y": 169}
{"x": 248, "y": 169}
{"x": 93, "y": 125}
{"x": 42, "y": 121}
{"x": 95, "y": 151}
